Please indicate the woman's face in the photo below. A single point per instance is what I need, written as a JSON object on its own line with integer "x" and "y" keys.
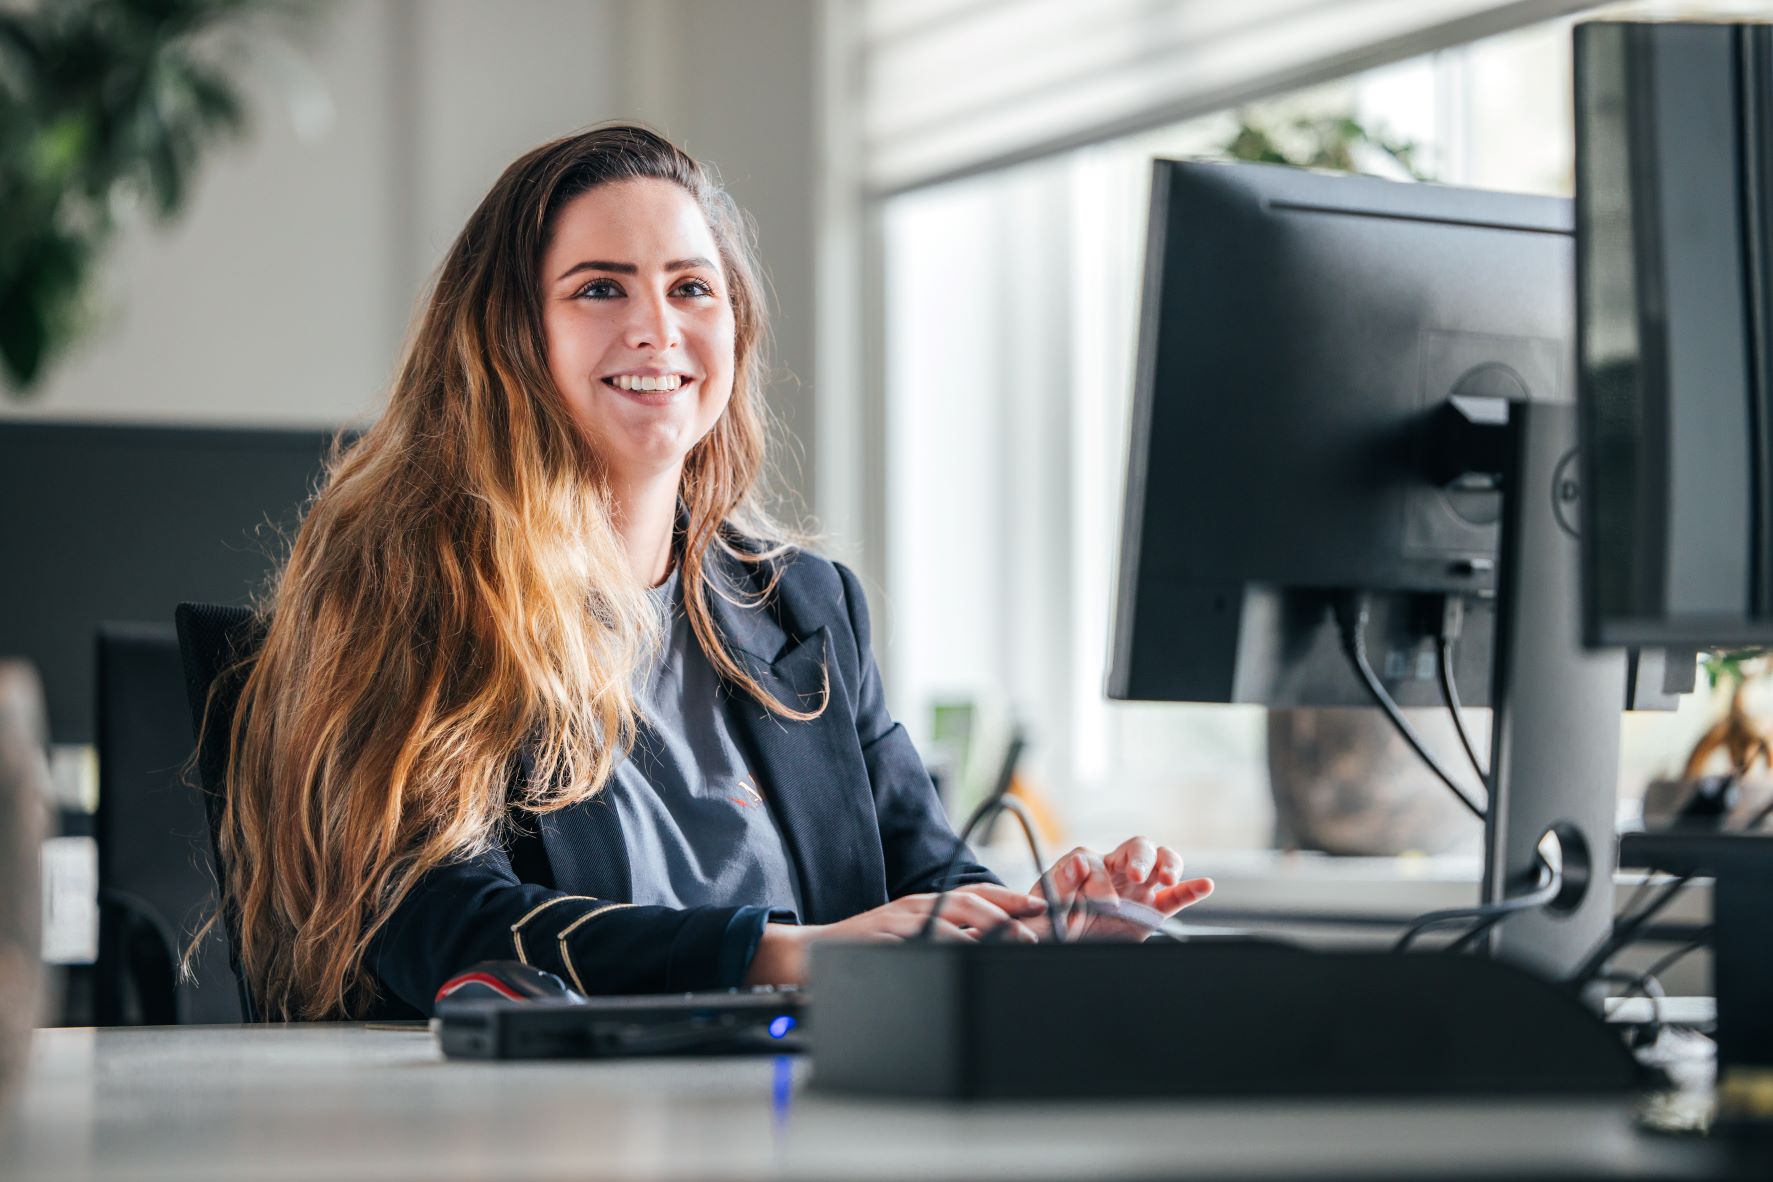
{"x": 639, "y": 325}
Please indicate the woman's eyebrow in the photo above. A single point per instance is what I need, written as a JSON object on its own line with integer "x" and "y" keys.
{"x": 630, "y": 269}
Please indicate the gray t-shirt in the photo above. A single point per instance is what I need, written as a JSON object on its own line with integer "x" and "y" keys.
{"x": 693, "y": 815}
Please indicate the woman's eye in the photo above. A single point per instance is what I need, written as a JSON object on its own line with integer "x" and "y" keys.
{"x": 600, "y": 289}
{"x": 694, "y": 287}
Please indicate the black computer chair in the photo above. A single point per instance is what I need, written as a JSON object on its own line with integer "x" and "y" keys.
{"x": 155, "y": 878}
{"x": 217, "y": 644}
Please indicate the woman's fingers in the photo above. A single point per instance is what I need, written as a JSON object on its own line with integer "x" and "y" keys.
{"x": 1012, "y": 902}
{"x": 1132, "y": 861}
{"x": 946, "y": 930}
{"x": 1185, "y": 893}
{"x": 1093, "y": 884}
{"x": 1070, "y": 874}
{"x": 968, "y": 908}
{"x": 1168, "y": 869}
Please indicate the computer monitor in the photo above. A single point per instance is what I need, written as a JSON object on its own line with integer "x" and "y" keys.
{"x": 1299, "y": 332}
{"x": 1674, "y": 206}
{"x": 123, "y": 523}
{"x": 1674, "y": 152}
{"x": 1337, "y": 378}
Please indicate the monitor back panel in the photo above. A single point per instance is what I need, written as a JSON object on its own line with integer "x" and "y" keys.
{"x": 1299, "y": 334}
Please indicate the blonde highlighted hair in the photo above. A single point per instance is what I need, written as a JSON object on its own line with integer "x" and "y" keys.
{"x": 458, "y": 594}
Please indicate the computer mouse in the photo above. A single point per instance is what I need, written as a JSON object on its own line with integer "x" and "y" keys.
{"x": 509, "y": 979}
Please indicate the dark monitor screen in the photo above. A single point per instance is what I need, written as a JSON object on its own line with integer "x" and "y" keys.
{"x": 1675, "y": 293}
{"x": 114, "y": 523}
{"x": 1300, "y": 333}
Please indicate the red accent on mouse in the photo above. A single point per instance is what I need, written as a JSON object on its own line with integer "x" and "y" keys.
{"x": 509, "y": 979}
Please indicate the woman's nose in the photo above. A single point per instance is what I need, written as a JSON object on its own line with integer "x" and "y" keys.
{"x": 652, "y": 324}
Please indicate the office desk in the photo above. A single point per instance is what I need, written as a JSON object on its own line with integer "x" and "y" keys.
{"x": 350, "y": 1102}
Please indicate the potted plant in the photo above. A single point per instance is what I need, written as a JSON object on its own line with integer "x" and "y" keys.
{"x": 106, "y": 109}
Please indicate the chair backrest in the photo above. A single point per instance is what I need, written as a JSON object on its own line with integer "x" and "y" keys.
{"x": 155, "y": 862}
{"x": 218, "y": 645}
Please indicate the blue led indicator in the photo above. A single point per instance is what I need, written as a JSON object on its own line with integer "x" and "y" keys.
{"x": 781, "y": 1026}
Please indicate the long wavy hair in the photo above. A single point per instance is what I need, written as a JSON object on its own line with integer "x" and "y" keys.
{"x": 458, "y": 594}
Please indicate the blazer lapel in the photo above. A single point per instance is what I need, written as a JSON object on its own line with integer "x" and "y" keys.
{"x": 812, "y": 773}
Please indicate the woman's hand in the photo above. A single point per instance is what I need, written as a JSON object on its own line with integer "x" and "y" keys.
{"x": 966, "y": 913}
{"x": 1088, "y": 888}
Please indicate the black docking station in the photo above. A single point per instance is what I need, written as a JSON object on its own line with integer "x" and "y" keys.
{"x": 1218, "y": 1017}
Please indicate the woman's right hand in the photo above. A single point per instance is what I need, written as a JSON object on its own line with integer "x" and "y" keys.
{"x": 966, "y": 913}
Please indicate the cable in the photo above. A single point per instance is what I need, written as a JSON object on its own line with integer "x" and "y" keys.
{"x": 1760, "y": 818}
{"x": 1149, "y": 919}
{"x": 1667, "y": 961}
{"x": 1624, "y": 931}
{"x": 998, "y": 801}
{"x": 1649, "y": 983}
{"x": 1450, "y": 692}
{"x": 1476, "y": 932}
{"x": 1351, "y": 615}
{"x": 1551, "y": 884}
{"x": 1016, "y": 809}
{"x": 985, "y": 809}
{"x": 1643, "y": 888}
{"x": 1452, "y": 623}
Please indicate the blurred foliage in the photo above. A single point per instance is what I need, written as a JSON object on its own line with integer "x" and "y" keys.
{"x": 1733, "y": 667}
{"x": 1738, "y": 735}
{"x": 1340, "y": 143}
{"x": 106, "y": 107}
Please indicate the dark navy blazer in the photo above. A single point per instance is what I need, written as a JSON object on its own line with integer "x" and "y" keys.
{"x": 852, "y": 799}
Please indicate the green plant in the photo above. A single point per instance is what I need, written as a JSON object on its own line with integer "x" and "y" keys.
{"x": 1334, "y": 142}
{"x": 1733, "y": 666}
{"x": 106, "y": 106}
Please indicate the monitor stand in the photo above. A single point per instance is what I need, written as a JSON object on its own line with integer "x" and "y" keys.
{"x": 1555, "y": 742}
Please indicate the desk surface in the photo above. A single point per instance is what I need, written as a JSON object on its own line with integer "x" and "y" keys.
{"x": 339, "y": 1101}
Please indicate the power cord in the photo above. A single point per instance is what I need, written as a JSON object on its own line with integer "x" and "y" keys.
{"x": 1475, "y": 933}
{"x": 1000, "y": 801}
{"x": 1452, "y": 623}
{"x": 1625, "y": 931}
{"x": 1551, "y": 884}
{"x": 1649, "y": 983}
{"x": 1447, "y": 633}
{"x": 1352, "y": 611}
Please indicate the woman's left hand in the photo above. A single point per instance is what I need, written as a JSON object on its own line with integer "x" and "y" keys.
{"x": 1088, "y": 887}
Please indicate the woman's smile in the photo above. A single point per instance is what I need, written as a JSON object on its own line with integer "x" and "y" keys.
{"x": 650, "y": 387}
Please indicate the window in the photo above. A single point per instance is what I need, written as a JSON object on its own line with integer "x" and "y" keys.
{"x": 1010, "y": 312}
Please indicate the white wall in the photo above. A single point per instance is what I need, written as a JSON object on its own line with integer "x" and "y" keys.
{"x": 282, "y": 295}
{"x": 739, "y": 84}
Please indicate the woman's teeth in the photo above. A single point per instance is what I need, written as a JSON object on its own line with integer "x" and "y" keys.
{"x": 635, "y": 382}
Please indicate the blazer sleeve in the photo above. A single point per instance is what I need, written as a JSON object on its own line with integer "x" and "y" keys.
{"x": 473, "y": 910}
{"x": 915, "y": 836}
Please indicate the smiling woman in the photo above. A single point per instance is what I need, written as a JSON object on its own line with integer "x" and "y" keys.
{"x": 541, "y": 680}
{"x": 640, "y": 336}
